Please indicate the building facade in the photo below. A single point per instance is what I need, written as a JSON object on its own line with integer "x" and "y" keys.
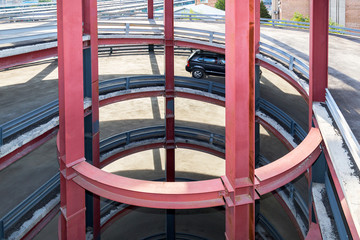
{"x": 343, "y": 12}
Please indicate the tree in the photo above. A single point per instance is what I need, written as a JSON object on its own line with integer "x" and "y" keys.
{"x": 220, "y": 4}
{"x": 263, "y": 11}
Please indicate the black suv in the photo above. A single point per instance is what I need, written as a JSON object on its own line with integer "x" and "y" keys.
{"x": 201, "y": 63}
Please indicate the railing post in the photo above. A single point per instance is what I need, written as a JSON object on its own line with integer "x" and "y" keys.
{"x": 211, "y": 37}
{"x": 127, "y": 83}
{"x": 2, "y": 231}
{"x": 127, "y": 28}
{"x": 292, "y": 128}
{"x": 210, "y": 87}
{"x": 1, "y": 136}
{"x": 127, "y": 138}
{"x": 291, "y": 63}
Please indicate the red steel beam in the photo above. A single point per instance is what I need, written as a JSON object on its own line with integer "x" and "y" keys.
{"x": 240, "y": 119}
{"x": 71, "y": 117}
{"x": 169, "y": 90}
{"x": 15, "y": 60}
{"x": 318, "y": 57}
{"x": 257, "y": 26}
{"x": 289, "y": 167}
{"x": 91, "y": 28}
{"x": 150, "y": 9}
{"x": 26, "y": 148}
{"x": 286, "y": 77}
{"x": 163, "y": 195}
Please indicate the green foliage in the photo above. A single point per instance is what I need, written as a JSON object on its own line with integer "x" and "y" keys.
{"x": 220, "y": 4}
{"x": 298, "y": 17}
{"x": 263, "y": 11}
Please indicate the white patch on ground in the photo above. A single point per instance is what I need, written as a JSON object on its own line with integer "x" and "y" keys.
{"x": 340, "y": 157}
{"x": 37, "y": 216}
{"x": 324, "y": 220}
{"x": 291, "y": 206}
{"x": 130, "y": 91}
{"x": 89, "y": 236}
{"x": 200, "y": 93}
{"x": 208, "y": 145}
{"x": 278, "y": 127}
{"x": 284, "y": 69}
{"x": 28, "y": 136}
{"x": 129, "y": 146}
{"x": 87, "y": 102}
{"x": 112, "y": 213}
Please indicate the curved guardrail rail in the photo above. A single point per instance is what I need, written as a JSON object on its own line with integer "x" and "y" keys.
{"x": 22, "y": 209}
{"x": 122, "y": 139}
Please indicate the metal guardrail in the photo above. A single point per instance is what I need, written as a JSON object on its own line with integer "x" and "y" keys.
{"x": 14, "y": 216}
{"x": 123, "y": 139}
{"x": 294, "y": 128}
{"x": 292, "y": 63}
{"x": 306, "y": 25}
{"x": 33, "y": 118}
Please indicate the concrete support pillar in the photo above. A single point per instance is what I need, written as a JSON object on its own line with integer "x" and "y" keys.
{"x": 319, "y": 41}
{"x": 91, "y": 91}
{"x": 71, "y": 117}
{"x": 240, "y": 119}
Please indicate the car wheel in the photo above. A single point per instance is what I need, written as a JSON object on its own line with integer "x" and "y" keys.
{"x": 198, "y": 73}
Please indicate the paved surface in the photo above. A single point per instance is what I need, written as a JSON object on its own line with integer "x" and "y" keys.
{"x": 34, "y": 85}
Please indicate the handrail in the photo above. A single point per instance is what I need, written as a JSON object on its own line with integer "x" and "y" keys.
{"x": 294, "y": 128}
{"x": 127, "y": 138}
{"x": 17, "y": 213}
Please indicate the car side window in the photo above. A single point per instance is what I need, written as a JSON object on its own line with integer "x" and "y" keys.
{"x": 200, "y": 59}
{"x": 221, "y": 61}
{"x": 209, "y": 60}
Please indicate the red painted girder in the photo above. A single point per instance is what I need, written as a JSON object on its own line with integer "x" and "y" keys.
{"x": 117, "y": 41}
{"x": 289, "y": 167}
{"x": 150, "y": 7}
{"x": 286, "y": 77}
{"x": 206, "y": 46}
{"x": 341, "y": 196}
{"x": 164, "y": 195}
{"x": 314, "y": 232}
{"x": 274, "y": 131}
{"x": 130, "y": 151}
{"x": 27, "y": 148}
{"x": 15, "y": 60}
{"x": 289, "y": 213}
{"x": 42, "y": 223}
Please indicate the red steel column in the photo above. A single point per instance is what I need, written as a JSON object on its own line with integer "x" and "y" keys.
{"x": 71, "y": 117}
{"x": 150, "y": 9}
{"x": 91, "y": 28}
{"x": 169, "y": 90}
{"x": 257, "y": 26}
{"x": 319, "y": 41}
{"x": 240, "y": 118}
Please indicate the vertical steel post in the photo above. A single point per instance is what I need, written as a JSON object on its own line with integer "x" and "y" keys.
{"x": 319, "y": 41}
{"x": 169, "y": 109}
{"x": 71, "y": 117}
{"x": 92, "y": 91}
{"x": 257, "y": 26}
{"x": 240, "y": 118}
{"x": 150, "y": 9}
{"x": 169, "y": 90}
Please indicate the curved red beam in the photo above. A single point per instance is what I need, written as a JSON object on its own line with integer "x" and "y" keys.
{"x": 292, "y": 165}
{"x": 163, "y": 195}
{"x": 285, "y": 76}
